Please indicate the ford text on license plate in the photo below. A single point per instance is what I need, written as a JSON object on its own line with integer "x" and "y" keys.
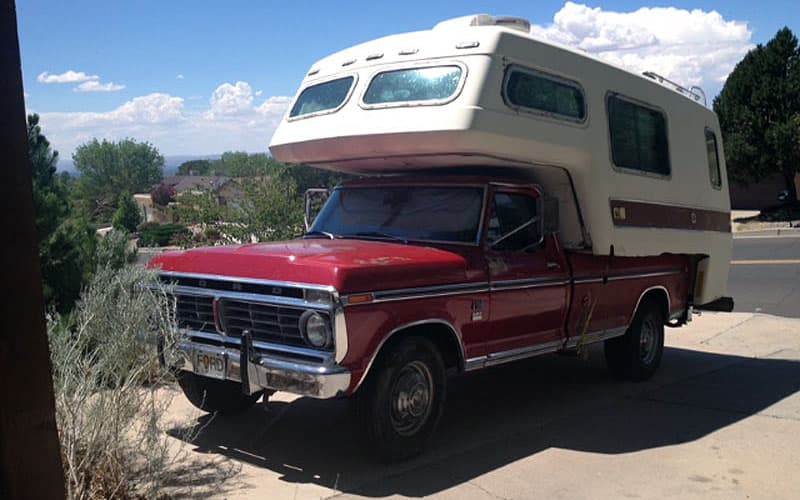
{"x": 209, "y": 364}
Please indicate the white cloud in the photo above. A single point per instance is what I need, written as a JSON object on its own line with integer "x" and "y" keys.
{"x": 233, "y": 121}
{"x": 95, "y": 86}
{"x": 230, "y": 99}
{"x": 66, "y": 77}
{"x": 690, "y": 47}
{"x": 179, "y": 77}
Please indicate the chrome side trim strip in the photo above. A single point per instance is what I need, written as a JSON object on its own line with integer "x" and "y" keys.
{"x": 625, "y": 276}
{"x": 592, "y": 337}
{"x": 497, "y": 358}
{"x": 422, "y": 293}
{"x": 406, "y": 326}
{"x": 527, "y": 283}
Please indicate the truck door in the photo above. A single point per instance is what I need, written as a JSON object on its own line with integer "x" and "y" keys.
{"x": 528, "y": 281}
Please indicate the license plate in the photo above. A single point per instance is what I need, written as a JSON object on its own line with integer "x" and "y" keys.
{"x": 209, "y": 364}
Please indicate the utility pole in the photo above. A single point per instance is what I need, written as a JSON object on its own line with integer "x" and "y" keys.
{"x": 30, "y": 456}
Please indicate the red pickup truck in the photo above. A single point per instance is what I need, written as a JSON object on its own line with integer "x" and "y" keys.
{"x": 400, "y": 280}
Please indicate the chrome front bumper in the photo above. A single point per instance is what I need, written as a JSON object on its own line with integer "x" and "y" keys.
{"x": 268, "y": 372}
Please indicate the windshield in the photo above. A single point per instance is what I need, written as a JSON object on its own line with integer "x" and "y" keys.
{"x": 416, "y": 213}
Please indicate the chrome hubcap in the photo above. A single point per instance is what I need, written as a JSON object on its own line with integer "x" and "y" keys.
{"x": 647, "y": 341}
{"x": 411, "y": 398}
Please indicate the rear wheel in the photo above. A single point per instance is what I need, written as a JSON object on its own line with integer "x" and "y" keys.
{"x": 637, "y": 354}
{"x": 399, "y": 405}
{"x": 217, "y": 396}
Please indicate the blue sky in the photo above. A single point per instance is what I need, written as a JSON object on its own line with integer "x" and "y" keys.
{"x": 192, "y": 77}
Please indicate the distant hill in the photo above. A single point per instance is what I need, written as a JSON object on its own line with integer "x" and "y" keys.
{"x": 171, "y": 163}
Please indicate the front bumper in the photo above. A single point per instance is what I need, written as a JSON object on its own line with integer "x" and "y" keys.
{"x": 263, "y": 371}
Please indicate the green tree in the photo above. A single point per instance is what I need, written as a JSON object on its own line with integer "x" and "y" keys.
{"x": 66, "y": 243}
{"x": 127, "y": 217}
{"x": 195, "y": 167}
{"x": 759, "y": 113}
{"x": 109, "y": 168}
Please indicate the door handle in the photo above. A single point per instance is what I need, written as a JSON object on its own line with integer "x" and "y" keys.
{"x": 553, "y": 265}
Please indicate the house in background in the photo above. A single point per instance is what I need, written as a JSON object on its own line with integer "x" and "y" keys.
{"x": 228, "y": 191}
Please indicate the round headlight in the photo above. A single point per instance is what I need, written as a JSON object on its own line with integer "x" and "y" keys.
{"x": 315, "y": 329}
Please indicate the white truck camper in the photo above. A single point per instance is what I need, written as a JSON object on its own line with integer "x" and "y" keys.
{"x": 635, "y": 161}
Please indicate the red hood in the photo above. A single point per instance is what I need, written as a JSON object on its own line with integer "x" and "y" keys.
{"x": 349, "y": 265}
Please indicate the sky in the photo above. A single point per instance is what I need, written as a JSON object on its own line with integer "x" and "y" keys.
{"x": 201, "y": 78}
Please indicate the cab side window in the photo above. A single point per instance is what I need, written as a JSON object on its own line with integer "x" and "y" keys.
{"x": 514, "y": 224}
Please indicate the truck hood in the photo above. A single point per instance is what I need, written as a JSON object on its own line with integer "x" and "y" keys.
{"x": 349, "y": 265}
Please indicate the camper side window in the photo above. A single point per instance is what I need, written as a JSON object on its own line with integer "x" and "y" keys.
{"x": 546, "y": 94}
{"x": 713, "y": 159}
{"x": 638, "y": 137}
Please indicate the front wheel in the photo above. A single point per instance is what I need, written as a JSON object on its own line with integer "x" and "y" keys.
{"x": 399, "y": 405}
{"x": 637, "y": 354}
{"x": 216, "y": 396}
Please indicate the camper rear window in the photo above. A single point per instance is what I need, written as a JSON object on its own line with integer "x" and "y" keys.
{"x": 328, "y": 96}
{"x": 638, "y": 137}
{"x": 545, "y": 94}
{"x": 433, "y": 85}
{"x": 713, "y": 159}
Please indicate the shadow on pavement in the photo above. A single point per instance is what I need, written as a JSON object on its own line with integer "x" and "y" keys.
{"x": 501, "y": 415}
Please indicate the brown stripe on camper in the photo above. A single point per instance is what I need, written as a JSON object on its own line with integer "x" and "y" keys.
{"x": 643, "y": 214}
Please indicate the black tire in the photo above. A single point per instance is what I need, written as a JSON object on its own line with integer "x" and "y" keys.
{"x": 216, "y": 396}
{"x": 398, "y": 406}
{"x": 637, "y": 354}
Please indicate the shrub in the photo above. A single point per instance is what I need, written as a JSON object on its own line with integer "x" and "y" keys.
{"x": 154, "y": 234}
{"x": 163, "y": 195}
{"x": 110, "y": 418}
{"x": 127, "y": 216}
{"x": 114, "y": 250}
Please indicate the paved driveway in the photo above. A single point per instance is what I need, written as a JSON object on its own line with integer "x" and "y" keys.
{"x": 720, "y": 420}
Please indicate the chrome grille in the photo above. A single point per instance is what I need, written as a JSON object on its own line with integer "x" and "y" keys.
{"x": 267, "y": 322}
{"x": 195, "y": 312}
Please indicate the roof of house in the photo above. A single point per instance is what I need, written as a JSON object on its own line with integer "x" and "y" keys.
{"x": 184, "y": 183}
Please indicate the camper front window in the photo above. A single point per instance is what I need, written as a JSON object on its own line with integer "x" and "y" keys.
{"x": 322, "y": 97}
{"x": 403, "y": 213}
{"x": 432, "y": 85}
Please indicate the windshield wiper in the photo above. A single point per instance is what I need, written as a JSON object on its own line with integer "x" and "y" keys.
{"x": 316, "y": 234}
{"x": 375, "y": 234}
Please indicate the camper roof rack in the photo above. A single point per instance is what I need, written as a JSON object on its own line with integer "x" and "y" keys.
{"x": 693, "y": 92}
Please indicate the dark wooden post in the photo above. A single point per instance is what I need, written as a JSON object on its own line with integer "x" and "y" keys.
{"x": 30, "y": 457}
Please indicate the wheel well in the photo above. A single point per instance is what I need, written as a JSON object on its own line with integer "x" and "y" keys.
{"x": 657, "y": 295}
{"x": 441, "y": 334}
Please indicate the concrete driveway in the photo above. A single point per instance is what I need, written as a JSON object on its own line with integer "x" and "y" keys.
{"x": 720, "y": 420}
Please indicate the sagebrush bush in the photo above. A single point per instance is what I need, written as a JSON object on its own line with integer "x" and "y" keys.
{"x": 106, "y": 376}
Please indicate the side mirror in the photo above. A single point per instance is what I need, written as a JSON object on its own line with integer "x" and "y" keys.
{"x": 314, "y": 199}
{"x": 550, "y": 215}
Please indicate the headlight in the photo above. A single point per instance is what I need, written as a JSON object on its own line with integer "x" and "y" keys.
{"x": 315, "y": 329}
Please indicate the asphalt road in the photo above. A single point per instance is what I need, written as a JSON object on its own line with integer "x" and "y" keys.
{"x": 765, "y": 274}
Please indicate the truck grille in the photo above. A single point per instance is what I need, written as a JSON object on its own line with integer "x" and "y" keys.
{"x": 195, "y": 313}
{"x": 267, "y": 322}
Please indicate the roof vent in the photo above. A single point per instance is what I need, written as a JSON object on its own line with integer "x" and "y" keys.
{"x": 516, "y": 23}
